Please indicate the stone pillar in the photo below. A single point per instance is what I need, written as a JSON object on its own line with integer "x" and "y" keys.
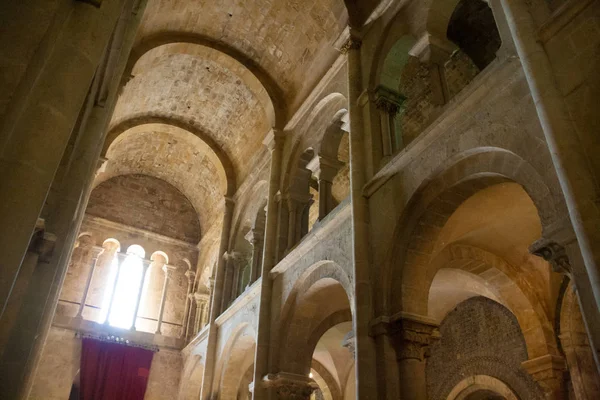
{"x": 60, "y": 77}
{"x": 168, "y": 269}
{"x": 570, "y": 159}
{"x": 559, "y": 257}
{"x": 96, "y": 251}
{"x": 215, "y": 305}
{"x": 365, "y": 347}
{"x": 146, "y": 265}
{"x": 190, "y": 275}
{"x": 412, "y": 337}
{"x": 232, "y": 260}
{"x": 256, "y": 239}
{"x": 274, "y": 141}
{"x": 434, "y": 52}
{"x": 389, "y": 103}
{"x": 549, "y": 372}
{"x": 325, "y": 169}
{"x": 201, "y": 301}
{"x": 286, "y": 386}
{"x": 57, "y": 73}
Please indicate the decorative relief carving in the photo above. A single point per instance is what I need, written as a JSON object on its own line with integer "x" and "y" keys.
{"x": 554, "y": 253}
{"x": 290, "y": 386}
{"x": 351, "y": 44}
{"x": 412, "y": 338}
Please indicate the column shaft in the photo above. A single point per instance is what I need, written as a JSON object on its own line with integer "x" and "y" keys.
{"x": 139, "y": 296}
{"x": 569, "y": 158}
{"x": 217, "y": 297}
{"x": 365, "y": 363}
{"x": 261, "y": 361}
{"x": 163, "y": 299}
{"x": 88, "y": 283}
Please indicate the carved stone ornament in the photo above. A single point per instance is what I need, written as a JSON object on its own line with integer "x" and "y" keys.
{"x": 388, "y": 100}
{"x": 554, "y": 253}
{"x": 413, "y": 338}
{"x": 290, "y": 386}
{"x": 351, "y": 44}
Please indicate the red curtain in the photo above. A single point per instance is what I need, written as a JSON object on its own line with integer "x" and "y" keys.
{"x": 111, "y": 371}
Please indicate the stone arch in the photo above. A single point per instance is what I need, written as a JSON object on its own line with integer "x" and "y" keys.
{"x": 235, "y": 359}
{"x": 192, "y": 379}
{"x": 493, "y": 349}
{"x": 165, "y": 38}
{"x": 441, "y": 194}
{"x": 515, "y": 293}
{"x": 325, "y": 112}
{"x": 306, "y": 315}
{"x": 468, "y": 386}
{"x": 585, "y": 379}
{"x": 324, "y": 378}
{"x": 183, "y": 129}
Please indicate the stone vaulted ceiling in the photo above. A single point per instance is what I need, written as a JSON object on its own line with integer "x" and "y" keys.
{"x": 225, "y": 73}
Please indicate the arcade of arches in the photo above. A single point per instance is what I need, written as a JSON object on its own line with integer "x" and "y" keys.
{"x": 316, "y": 199}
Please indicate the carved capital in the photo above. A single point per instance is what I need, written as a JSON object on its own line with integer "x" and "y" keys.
{"x": 190, "y": 275}
{"x": 554, "y": 253}
{"x": 290, "y": 386}
{"x": 42, "y": 242}
{"x": 168, "y": 270}
{"x": 388, "y": 100}
{"x": 353, "y": 43}
{"x": 412, "y": 336}
{"x": 349, "y": 342}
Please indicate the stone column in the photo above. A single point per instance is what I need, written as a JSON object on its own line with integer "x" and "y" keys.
{"x": 232, "y": 260}
{"x": 570, "y": 160}
{"x": 217, "y": 298}
{"x": 325, "y": 169}
{"x": 412, "y": 337}
{"x": 548, "y": 371}
{"x": 365, "y": 346}
{"x": 50, "y": 100}
{"x": 256, "y": 238}
{"x": 146, "y": 265}
{"x": 168, "y": 269}
{"x": 82, "y": 30}
{"x": 96, "y": 251}
{"x": 286, "y": 386}
{"x": 274, "y": 141}
{"x": 389, "y": 103}
{"x": 190, "y": 275}
{"x": 559, "y": 257}
{"x": 201, "y": 301}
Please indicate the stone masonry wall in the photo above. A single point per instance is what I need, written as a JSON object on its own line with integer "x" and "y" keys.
{"x": 147, "y": 203}
{"x": 479, "y": 337}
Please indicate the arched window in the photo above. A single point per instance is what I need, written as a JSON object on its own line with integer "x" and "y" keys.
{"x": 123, "y": 286}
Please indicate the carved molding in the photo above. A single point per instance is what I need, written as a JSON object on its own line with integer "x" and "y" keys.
{"x": 412, "y": 337}
{"x": 388, "y": 100}
{"x": 349, "y": 342}
{"x": 290, "y": 386}
{"x": 352, "y": 43}
{"x": 554, "y": 253}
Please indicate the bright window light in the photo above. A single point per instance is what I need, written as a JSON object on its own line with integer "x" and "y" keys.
{"x": 126, "y": 290}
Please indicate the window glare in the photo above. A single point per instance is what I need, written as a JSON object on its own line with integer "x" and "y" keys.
{"x": 126, "y": 290}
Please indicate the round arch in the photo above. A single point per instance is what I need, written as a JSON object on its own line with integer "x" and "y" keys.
{"x": 519, "y": 297}
{"x": 184, "y": 131}
{"x": 235, "y": 359}
{"x": 465, "y": 389}
{"x": 159, "y": 39}
{"x": 320, "y": 299}
{"x": 435, "y": 200}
